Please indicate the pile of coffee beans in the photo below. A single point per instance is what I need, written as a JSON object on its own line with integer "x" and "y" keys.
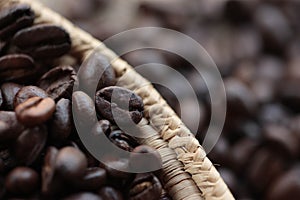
{"x": 255, "y": 45}
{"x": 41, "y": 154}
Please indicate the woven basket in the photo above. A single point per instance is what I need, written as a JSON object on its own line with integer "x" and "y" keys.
{"x": 187, "y": 173}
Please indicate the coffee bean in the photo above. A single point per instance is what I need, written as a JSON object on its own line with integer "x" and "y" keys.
{"x": 9, "y": 91}
{"x": 83, "y": 196}
{"x": 286, "y": 186}
{"x": 119, "y": 105}
{"x": 51, "y": 185}
{"x": 279, "y": 137}
{"x": 96, "y": 73}
{"x": 8, "y": 161}
{"x": 22, "y": 180}
{"x": 287, "y": 95}
{"x": 61, "y": 123}
{"x": 145, "y": 186}
{"x": 15, "y": 18}
{"x": 122, "y": 140}
{"x": 93, "y": 179}
{"x": 70, "y": 163}
{"x": 145, "y": 157}
{"x": 265, "y": 166}
{"x": 18, "y": 68}
{"x": 35, "y": 110}
{"x": 30, "y": 144}
{"x": 27, "y": 92}
{"x": 240, "y": 153}
{"x": 84, "y": 111}
{"x": 10, "y": 128}
{"x": 43, "y": 41}
{"x": 102, "y": 127}
{"x": 59, "y": 82}
{"x": 240, "y": 100}
{"x": 109, "y": 193}
{"x": 1, "y": 98}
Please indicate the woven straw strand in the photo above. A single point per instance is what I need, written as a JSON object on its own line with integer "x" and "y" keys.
{"x": 175, "y": 136}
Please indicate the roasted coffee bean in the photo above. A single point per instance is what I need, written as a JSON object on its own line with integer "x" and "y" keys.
{"x": 122, "y": 140}
{"x": 286, "y": 186}
{"x": 61, "y": 123}
{"x": 70, "y": 163}
{"x": 265, "y": 166}
{"x": 101, "y": 127}
{"x": 35, "y": 110}
{"x": 279, "y": 137}
{"x": 240, "y": 100}
{"x": 145, "y": 186}
{"x": 50, "y": 182}
{"x": 287, "y": 95}
{"x": 119, "y": 105}
{"x": 59, "y": 82}
{"x": 240, "y": 153}
{"x": 22, "y": 181}
{"x": 10, "y": 128}
{"x": 145, "y": 157}
{"x": 27, "y": 92}
{"x": 15, "y": 18}
{"x": 93, "y": 179}
{"x": 84, "y": 111}
{"x": 83, "y": 196}
{"x": 117, "y": 172}
{"x": 1, "y": 98}
{"x": 18, "y": 68}
{"x": 109, "y": 193}
{"x": 8, "y": 161}
{"x": 9, "y": 91}
{"x": 30, "y": 144}
{"x": 43, "y": 41}
{"x": 96, "y": 73}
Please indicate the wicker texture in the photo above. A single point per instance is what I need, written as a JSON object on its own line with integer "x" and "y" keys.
{"x": 187, "y": 173}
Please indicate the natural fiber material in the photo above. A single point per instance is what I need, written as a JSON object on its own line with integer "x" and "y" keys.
{"x": 187, "y": 173}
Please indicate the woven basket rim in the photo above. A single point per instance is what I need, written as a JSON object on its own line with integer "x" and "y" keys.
{"x": 187, "y": 172}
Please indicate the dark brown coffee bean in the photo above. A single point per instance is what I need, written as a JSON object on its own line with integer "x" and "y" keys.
{"x": 240, "y": 100}
{"x": 8, "y": 161}
{"x": 1, "y": 98}
{"x": 59, "y": 82}
{"x": 119, "y": 105}
{"x": 35, "y": 110}
{"x": 61, "y": 123}
{"x": 288, "y": 95}
{"x": 22, "y": 181}
{"x": 145, "y": 157}
{"x": 117, "y": 171}
{"x": 84, "y": 111}
{"x": 51, "y": 185}
{"x": 83, "y": 196}
{"x": 123, "y": 140}
{"x": 10, "y": 128}
{"x": 265, "y": 166}
{"x": 279, "y": 137}
{"x": 109, "y": 193}
{"x": 15, "y": 18}
{"x": 30, "y": 144}
{"x": 101, "y": 127}
{"x": 70, "y": 164}
{"x": 17, "y": 67}
{"x": 96, "y": 73}
{"x": 145, "y": 186}
{"x": 93, "y": 179}
{"x": 27, "y": 92}
{"x": 9, "y": 91}
{"x": 43, "y": 41}
{"x": 286, "y": 186}
{"x": 240, "y": 153}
